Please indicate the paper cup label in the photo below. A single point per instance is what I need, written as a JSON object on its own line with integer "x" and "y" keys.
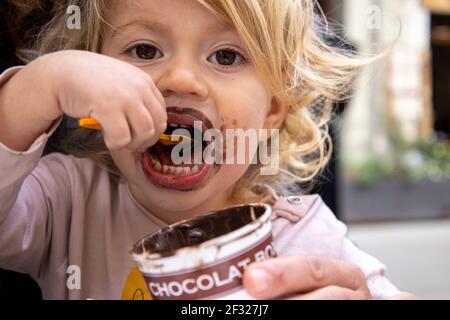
{"x": 213, "y": 281}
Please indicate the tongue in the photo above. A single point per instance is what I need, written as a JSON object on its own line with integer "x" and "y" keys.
{"x": 163, "y": 154}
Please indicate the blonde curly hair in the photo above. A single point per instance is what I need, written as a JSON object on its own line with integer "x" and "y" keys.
{"x": 285, "y": 41}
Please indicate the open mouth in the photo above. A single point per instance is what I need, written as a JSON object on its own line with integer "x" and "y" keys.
{"x": 158, "y": 162}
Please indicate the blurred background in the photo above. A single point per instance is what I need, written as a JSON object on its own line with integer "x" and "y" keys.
{"x": 392, "y": 167}
{"x": 389, "y": 179}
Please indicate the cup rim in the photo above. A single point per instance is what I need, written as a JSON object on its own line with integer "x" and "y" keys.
{"x": 223, "y": 239}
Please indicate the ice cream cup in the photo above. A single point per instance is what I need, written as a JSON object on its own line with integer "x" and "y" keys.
{"x": 205, "y": 257}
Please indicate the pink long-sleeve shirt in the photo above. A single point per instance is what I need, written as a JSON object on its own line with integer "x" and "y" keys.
{"x": 69, "y": 226}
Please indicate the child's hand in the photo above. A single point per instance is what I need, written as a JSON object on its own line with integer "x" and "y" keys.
{"x": 121, "y": 97}
{"x": 306, "y": 277}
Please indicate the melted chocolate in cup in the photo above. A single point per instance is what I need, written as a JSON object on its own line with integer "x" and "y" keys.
{"x": 204, "y": 258}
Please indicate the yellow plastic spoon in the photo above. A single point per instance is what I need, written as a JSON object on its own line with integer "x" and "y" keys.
{"x": 166, "y": 139}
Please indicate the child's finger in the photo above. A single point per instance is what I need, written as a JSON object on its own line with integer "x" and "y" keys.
{"x": 159, "y": 97}
{"x": 142, "y": 128}
{"x": 116, "y": 131}
{"x": 157, "y": 108}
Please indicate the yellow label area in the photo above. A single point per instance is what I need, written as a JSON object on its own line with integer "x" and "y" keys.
{"x": 135, "y": 287}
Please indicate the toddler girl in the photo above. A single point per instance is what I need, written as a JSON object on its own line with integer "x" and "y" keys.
{"x": 145, "y": 67}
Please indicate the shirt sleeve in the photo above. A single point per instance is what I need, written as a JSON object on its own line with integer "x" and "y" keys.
{"x": 309, "y": 227}
{"x": 24, "y": 204}
{"x": 379, "y": 285}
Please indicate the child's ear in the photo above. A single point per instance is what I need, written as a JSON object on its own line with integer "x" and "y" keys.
{"x": 276, "y": 114}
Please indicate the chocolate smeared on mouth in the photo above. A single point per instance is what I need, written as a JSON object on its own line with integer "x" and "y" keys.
{"x": 185, "y": 169}
{"x": 199, "y": 230}
{"x": 173, "y": 112}
{"x": 183, "y": 119}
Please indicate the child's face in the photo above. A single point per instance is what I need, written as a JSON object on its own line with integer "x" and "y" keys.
{"x": 178, "y": 43}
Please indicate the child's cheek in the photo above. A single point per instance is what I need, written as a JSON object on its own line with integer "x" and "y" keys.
{"x": 242, "y": 120}
{"x": 230, "y": 123}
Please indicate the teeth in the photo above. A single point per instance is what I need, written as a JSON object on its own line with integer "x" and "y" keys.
{"x": 178, "y": 171}
{"x": 156, "y": 164}
{"x": 174, "y": 125}
{"x": 195, "y": 169}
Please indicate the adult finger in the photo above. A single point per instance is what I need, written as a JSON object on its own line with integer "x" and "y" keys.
{"x": 300, "y": 274}
{"x": 332, "y": 293}
{"x": 403, "y": 296}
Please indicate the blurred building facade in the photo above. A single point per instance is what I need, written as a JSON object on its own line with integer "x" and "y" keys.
{"x": 397, "y": 85}
{"x": 395, "y": 150}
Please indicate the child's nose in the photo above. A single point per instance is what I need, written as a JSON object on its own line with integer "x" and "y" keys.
{"x": 181, "y": 77}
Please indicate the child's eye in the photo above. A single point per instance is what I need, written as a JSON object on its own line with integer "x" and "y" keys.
{"x": 227, "y": 57}
{"x": 145, "y": 52}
